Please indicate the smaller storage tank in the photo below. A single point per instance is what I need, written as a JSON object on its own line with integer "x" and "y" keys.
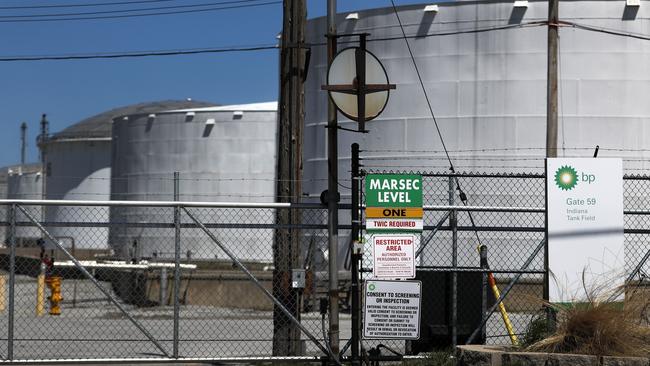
{"x": 222, "y": 153}
{"x": 25, "y": 182}
{"x": 79, "y": 168}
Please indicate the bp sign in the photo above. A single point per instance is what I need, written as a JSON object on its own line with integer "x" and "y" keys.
{"x": 585, "y": 225}
{"x": 393, "y": 203}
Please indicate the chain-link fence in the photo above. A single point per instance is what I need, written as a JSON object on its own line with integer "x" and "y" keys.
{"x": 129, "y": 280}
{"x": 511, "y": 224}
{"x": 160, "y": 280}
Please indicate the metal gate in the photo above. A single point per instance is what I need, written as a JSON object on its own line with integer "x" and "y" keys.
{"x": 152, "y": 282}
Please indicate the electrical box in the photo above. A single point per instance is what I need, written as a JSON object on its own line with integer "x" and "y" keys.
{"x": 298, "y": 278}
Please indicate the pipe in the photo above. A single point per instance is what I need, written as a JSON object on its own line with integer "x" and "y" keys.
{"x": 40, "y": 291}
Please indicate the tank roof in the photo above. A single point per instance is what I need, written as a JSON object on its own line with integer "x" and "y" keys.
{"x": 252, "y": 107}
{"x": 99, "y": 125}
{"x": 29, "y": 168}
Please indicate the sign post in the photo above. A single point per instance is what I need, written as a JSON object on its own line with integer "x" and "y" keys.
{"x": 585, "y": 225}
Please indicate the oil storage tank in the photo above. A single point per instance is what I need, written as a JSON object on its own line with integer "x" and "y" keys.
{"x": 25, "y": 182}
{"x": 78, "y": 161}
{"x": 224, "y": 153}
{"x": 484, "y": 67}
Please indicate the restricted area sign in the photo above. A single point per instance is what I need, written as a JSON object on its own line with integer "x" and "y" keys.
{"x": 393, "y": 256}
{"x": 392, "y": 310}
{"x": 393, "y": 203}
{"x": 585, "y": 225}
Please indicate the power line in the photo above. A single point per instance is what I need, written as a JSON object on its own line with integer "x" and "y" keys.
{"x": 43, "y": 6}
{"x": 214, "y": 50}
{"x": 122, "y": 11}
{"x": 140, "y": 15}
{"x": 137, "y": 54}
{"x": 613, "y": 32}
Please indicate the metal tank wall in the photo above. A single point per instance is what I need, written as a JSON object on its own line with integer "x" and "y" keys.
{"x": 488, "y": 92}
{"x": 26, "y": 182}
{"x": 79, "y": 169}
{"x": 222, "y": 154}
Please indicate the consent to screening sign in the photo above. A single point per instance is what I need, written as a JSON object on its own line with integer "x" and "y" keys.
{"x": 393, "y": 203}
{"x": 392, "y": 310}
{"x": 585, "y": 225}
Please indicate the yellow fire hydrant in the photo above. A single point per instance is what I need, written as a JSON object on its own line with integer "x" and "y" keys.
{"x": 54, "y": 284}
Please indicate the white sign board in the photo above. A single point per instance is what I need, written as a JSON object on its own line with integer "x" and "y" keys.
{"x": 393, "y": 256}
{"x": 392, "y": 309}
{"x": 585, "y": 225}
{"x": 393, "y": 224}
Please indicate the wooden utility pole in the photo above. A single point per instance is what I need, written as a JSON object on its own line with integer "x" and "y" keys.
{"x": 332, "y": 189}
{"x": 552, "y": 83}
{"x": 286, "y": 248}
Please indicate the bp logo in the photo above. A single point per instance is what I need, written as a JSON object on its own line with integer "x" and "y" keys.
{"x": 566, "y": 178}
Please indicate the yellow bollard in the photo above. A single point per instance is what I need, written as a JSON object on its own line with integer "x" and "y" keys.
{"x": 54, "y": 283}
{"x": 3, "y": 301}
{"x": 40, "y": 295}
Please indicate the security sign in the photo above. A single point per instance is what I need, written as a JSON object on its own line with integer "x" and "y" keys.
{"x": 393, "y": 203}
{"x": 393, "y": 255}
{"x": 392, "y": 309}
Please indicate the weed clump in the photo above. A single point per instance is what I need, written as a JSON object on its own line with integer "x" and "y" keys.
{"x": 601, "y": 326}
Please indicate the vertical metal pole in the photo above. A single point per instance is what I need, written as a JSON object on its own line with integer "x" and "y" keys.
{"x": 23, "y": 142}
{"x": 163, "y": 287}
{"x": 552, "y": 82}
{"x": 332, "y": 189}
{"x": 12, "y": 282}
{"x": 360, "y": 59}
{"x": 354, "y": 255}
{"x": 546, "y": 284}
{"x": 177, "y": 264}
{"x": 453, "y": 222}
{"x": 484, "y": 266}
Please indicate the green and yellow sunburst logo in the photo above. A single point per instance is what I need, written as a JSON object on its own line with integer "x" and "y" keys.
{"x": 566, "y": 178}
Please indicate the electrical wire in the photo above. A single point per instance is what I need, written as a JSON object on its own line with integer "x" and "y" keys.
{"x": 176, "y": 12}
{"x": 610, "y": 31}
{"x": 43, "y": 6}
{"x": 136, "y": 54}
{"x": 132, "y": 54}
{"x": 463, "y": 196}
{"x": 122, "y": 11}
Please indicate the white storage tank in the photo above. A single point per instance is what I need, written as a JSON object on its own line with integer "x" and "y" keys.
{"x": 25, "y": 182}
{"x": 79, "y": 168}
{"x": 222, "y": 153}
{"x": 487, "y": 87}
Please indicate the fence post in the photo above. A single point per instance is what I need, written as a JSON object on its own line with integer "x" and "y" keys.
{"x": 453, "y": 222}
{"x": 354, "y": 256}
{"x": 177, "y": 263}
{"x": 484, "y": 266}
{"x": 12, "y": 281}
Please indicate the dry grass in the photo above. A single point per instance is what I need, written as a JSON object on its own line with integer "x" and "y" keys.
{"x": 601, "y": 326}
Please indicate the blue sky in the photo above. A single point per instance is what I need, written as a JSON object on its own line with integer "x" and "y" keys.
{"x": 69, "y": 91}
